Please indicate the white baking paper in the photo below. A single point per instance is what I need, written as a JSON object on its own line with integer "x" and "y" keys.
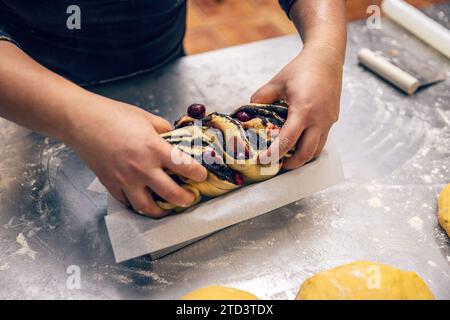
{"x": 133, "y": 235}
{"x": 97, "y": 187}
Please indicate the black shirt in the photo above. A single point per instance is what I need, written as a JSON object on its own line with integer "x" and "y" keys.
{"x": 116, "y": 38}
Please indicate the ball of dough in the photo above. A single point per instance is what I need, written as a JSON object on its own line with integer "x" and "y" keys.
{"x": 444, "y": 209}
{"x": 219, "y": 293}
{"x": 365, "y": 281}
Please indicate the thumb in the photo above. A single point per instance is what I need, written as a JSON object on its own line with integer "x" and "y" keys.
{"x": 266, "y": 94}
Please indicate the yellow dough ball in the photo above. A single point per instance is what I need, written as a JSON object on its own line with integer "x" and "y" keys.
{"x": 365, "y": 281}
{"x": 444, "y": 209}
{"x": 219, "y": 293}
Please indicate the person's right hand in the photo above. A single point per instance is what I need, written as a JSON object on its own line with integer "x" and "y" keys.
{"x": 121, "y": 144}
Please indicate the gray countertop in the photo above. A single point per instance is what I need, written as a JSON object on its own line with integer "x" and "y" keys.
{"x": 396, "y": 156}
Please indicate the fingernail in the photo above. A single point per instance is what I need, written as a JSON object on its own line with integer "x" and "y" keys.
{"x": 187, "y": 205}
{"x": 263, "y": 158}
{"x": 190, "y": 202}
{"x": 203, "y": 177}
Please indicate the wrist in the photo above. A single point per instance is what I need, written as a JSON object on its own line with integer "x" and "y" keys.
{"x": 326, "y": 52}
{"x": 74, "y": 122}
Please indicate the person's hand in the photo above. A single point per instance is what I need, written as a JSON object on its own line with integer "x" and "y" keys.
{"x": 311, "y": 85}
{"x": 121, "y": 144}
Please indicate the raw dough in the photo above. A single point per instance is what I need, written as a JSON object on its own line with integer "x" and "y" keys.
{"x": 365, "y": 281}
{"x": 219, "y": 293}
{"x": 444, "y": 209}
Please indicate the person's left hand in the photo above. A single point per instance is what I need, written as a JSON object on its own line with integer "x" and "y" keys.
{"x": 311, "y": 85}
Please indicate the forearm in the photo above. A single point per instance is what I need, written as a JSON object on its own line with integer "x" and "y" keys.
{"x": 322, "y": 24}
{"x": 35, "y": 97}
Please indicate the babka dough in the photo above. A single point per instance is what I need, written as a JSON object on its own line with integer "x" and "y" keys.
{"x": 444, "y": 209}
{"x": 365, "y": 280}
{"x": 219, "y": 293}
{"x": 233, "y": 167}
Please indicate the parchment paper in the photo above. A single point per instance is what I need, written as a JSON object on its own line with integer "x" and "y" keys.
{"x": 133, "y": 235}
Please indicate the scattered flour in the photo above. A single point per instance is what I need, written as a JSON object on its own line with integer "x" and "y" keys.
{"x": 6, "y": 267}
{"x": 25, "y": 249}
{"x": 122, "y": 278}
{"x": 431, "y": 263}
{"x": 97, "y": 277}
{"x": 375, "y": 203}
{"x": 427, "y": 179}
{"x": 300, "y": 216}
{"x": 416, "y": 223}
{"x": 155, "y": 277}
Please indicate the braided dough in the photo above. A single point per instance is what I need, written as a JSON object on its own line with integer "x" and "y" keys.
{"x": 228, "y": 148}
